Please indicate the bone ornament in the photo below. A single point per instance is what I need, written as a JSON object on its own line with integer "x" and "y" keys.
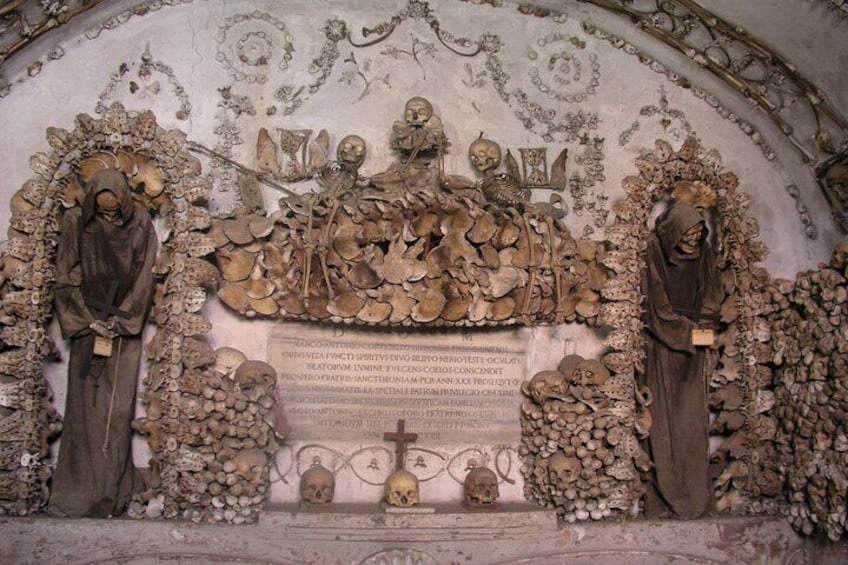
{"x": 317, "y": 485}
{"x": 401, "y": 489}
{"x": 481, "y": 487}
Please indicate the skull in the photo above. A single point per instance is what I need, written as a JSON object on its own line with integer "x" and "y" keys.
{"x": 568, "y": 364}
{"x": 591, "y": 372}
{"x": 839, "y": 259}
{"x": 481, "y": 486}
{"x": 108, "y": 207}
{"x": 402, "y": 489}
{"x": 351, "y": 150}
{"x": 563, "y": 470}
{"x": 227, "y": 360}
{"x": 317, "y": 485}
{"x": 485, "y": 155}
{"x": 253, "y": 373}
{"x": 545, "y": 383}
{"x": 417, "y": 111}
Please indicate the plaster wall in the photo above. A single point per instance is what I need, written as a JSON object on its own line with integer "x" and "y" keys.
{"x": 242, "y": 66}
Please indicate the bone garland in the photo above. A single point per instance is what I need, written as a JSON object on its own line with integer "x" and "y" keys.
{"x": 419, "y": 257}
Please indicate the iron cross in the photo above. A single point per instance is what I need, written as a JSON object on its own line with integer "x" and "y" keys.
{"x": 107, "y": 307}
{"x": 401, "y": 438}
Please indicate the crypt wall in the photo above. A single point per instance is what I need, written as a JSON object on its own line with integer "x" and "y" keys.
{"x": 571, "y": 79}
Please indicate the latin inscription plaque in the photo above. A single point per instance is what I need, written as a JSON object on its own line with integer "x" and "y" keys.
{"x": 353, "y": 384}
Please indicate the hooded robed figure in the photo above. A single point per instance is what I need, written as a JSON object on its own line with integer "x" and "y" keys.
{"x": 683, "y": 293}
{"x": 104, "y": 285}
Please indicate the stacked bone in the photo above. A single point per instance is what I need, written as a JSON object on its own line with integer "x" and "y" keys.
{"x": 580, "y": 451}
{"x": 809, "y": 350}
{"x": 419, "y": 258}
{"x": 26, "y": 422}
{"x": 214, "y": 464}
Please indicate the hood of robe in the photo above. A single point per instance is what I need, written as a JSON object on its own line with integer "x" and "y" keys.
{"x": 673, "y": 224}
{"x": 112, "y": 181}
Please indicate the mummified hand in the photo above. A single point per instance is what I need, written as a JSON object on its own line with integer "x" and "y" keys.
{"x": 104, "y": 329}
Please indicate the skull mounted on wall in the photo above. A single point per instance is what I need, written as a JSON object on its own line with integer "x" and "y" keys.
{"x": 481, "y": 486}
{"x": 351, "y": 151}
{"x": 317, "y": 485}
{"x": 485, "y": 155}
{"x": 401, "y": 489}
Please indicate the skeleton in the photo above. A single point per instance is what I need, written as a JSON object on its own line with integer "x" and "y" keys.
{"x": 351, "y": 151}
{"x": 481, "y": 486}
{"x": 485, "y": 155}
{"x": 317, "y": 485}
{"x": 420, "y": 129}
{"x": 339, "y": 176}
{"x": 401, "y": 489}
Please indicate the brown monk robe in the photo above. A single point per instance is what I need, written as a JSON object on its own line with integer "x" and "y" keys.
{"x": 104, "y": 284}
{"x": 683, "y": 293}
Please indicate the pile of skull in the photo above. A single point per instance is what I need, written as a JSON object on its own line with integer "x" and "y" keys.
{"x": 218, "y": 459}
{"x": 809, "y": 355}
{"x": 579, "y": 445}
{"x": 402, "y": 488}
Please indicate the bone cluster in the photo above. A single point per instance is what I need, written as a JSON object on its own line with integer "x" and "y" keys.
{"x": 579, "y": 443}
{"x": 26, "y": 274}
{"x": 211, "y": 459}
{"x": 809, "y": 354}
{"x": 413, "y": 258}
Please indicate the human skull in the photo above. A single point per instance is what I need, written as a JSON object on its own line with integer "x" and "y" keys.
{"x": 227, "y": 360}
{"x": 839, "y": 259}
{"x": 591, "y": 372}
{"x": 351, "y": 150}
{"x": 417, "y": 111}
{"x": 317, "y": 485}
{"x": 255, "y": 373}
{"x": 546, "y": 383}
{"x": 108, "y": 207}
{"x": 481, "y": 486}
{"x": 563, "y": 470}
{"x": 401, "y": 489}
{"x": 568, "y": 364}
{"x": 485, "y": 155}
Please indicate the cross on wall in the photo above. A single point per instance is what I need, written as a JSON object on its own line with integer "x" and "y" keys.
{"x": 401, "y": 439}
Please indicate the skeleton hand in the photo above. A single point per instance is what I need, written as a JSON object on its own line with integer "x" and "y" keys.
{"x": 104, "y": 329}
